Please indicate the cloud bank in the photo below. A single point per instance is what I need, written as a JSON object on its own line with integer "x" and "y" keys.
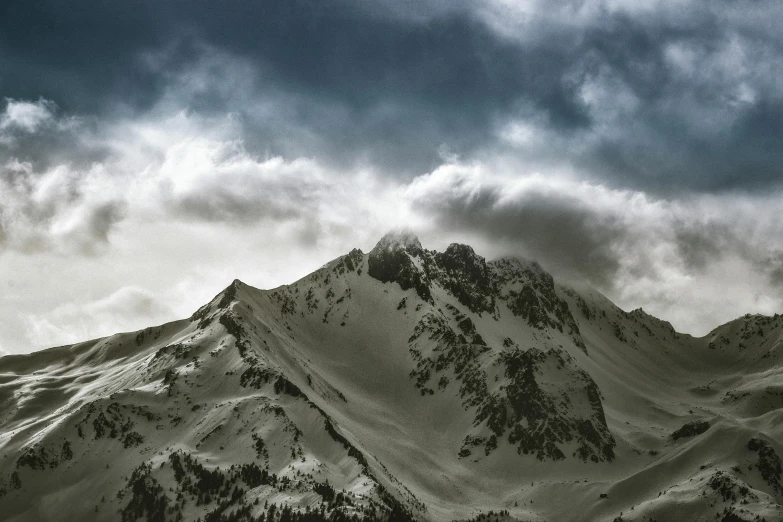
{"x": 169, "y": 148}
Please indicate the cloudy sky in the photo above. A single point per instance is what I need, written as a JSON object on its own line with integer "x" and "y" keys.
{"x": 151, "y": 152}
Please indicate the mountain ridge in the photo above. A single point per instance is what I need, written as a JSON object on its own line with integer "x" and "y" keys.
{"x": 414, "y": 384}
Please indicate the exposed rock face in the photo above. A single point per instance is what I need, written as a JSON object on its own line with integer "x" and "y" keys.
{"x": 543, "y": 416}
{"x": 527, "y": 289}
{"x": 529, "y": 292}
{"x": 459, "y": 270}
{"x": 392, "y": 261}
{"x": 449, "y": 347}
{"x": 385, "y": 386}
{"x": 466, "y": 276}
{"x": 531, "y": 406}
{"x": 691, "y": 429}
{"x": 768, "y": 463}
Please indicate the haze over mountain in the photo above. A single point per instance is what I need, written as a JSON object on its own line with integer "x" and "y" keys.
{"x": 401, "y": 384}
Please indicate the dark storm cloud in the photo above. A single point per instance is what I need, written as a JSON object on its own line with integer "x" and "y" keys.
{"x": 379, "y": 88}
{"x": 709, "y": 113}
{"x": 555, "y": 230}
{"x": 610, "y": 238}
{"x": 680, "y": 97}
{"x": 384, "y": 89}
{"x": 561, "y": 230}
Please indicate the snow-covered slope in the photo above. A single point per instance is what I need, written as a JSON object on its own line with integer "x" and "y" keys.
{"x": 394, "y": 385}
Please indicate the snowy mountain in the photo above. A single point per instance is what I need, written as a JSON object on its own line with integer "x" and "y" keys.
{"x": 401, "y": 384}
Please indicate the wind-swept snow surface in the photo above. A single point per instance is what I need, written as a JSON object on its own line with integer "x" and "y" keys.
{"x": 395, "y": 385}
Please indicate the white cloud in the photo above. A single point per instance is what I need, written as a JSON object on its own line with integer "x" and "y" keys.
{"x": 26, "y": 116}
{"x": 532, "y": 19}
{"x": 183, "y": 168}
{"x": 59, "y": 208}
{"x": 178, "y": 207}
{"x": 127, "y": 309}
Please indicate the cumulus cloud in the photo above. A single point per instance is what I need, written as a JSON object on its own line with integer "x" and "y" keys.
{"x": 59, "y": 208}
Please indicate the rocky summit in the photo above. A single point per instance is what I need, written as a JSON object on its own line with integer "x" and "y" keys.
{"x": 402, "y": 384}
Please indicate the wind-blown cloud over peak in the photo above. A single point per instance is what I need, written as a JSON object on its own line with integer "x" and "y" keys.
{"x": 636, "y": 247}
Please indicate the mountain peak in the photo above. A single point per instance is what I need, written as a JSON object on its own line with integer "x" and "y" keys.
{"x": 399, "y": 239}
{"x": 322, "y": 393}
{"x": 220, "y": 302}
